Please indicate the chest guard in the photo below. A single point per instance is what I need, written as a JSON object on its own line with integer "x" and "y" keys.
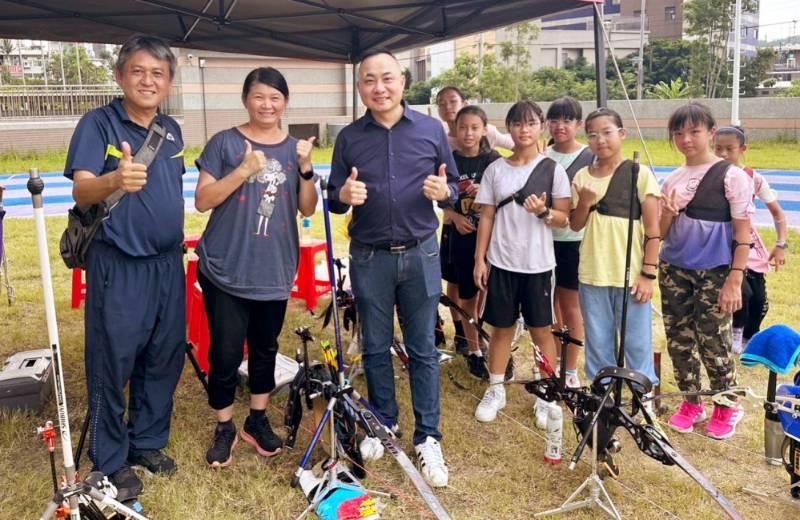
{"x": 615, "y": 203}
{"x": 709, "y": 202}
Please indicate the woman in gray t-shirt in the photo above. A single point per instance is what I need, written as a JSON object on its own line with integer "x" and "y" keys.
{"x": 255, "y": 178}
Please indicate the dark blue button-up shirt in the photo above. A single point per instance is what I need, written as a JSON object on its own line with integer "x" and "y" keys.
{"x": 393, "y": 163}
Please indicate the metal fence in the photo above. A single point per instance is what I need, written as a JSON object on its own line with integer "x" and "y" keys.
{"x": 57, "y": 101}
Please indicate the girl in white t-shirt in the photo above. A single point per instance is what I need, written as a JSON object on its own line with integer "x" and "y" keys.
{"x": 515, "y": 239}
{"x": 729, "y": 144}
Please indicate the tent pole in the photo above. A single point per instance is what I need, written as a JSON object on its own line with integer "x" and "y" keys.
{"x": 355, "y": 56}
{"x": 600, "y": 58}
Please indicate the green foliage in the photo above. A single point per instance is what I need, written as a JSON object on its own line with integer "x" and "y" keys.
{"x": 418, "y": 92}
{"x": 676, "y": 89}
{"x": 793, "y": 91}
{"x": 91, "y": 74}
{"x": 754, "y": 70}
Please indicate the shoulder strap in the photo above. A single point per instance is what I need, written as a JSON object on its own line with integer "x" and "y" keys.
{"x": 146, "y": 154}
{"x": 545, "y": 167}
{"x": 616, "y": 201}
{"x": 584, "y": 159}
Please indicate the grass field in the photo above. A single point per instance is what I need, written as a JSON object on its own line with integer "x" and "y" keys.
{"x": 761, "y": 154}
{"x": 496, "y": 469}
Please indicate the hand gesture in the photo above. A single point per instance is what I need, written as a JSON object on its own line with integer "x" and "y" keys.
{"x": 252, "y": 163}
{"x": 536, "y": 205}
{"x": 669, "y": 205}
{"x": 354, "y": 192}
{"x": 463, "y": 225}
{"x": 304, "y": 148}
{"x": 435, "y": 186}
{"x": 131, "y": 177}
{"x": 779, "y": 256}
{"x": 586, "y": 194}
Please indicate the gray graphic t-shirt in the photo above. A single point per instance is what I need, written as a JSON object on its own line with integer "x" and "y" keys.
{"x": 250, "y": 246}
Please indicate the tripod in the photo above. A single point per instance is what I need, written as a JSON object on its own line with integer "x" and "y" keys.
{"x": 68, "y": 499}
{"x": 593, "y": 482}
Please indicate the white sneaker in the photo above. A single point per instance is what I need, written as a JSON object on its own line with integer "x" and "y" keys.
{"x": 540, "y": 410}
{"x": 431, "y": 462}
{"x": 494, "y": 400}
{"x": 371, "y": 449}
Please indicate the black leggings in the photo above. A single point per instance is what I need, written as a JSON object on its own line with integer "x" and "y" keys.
{"x": 231, "y": 320}
{"x": 754, "y": 304}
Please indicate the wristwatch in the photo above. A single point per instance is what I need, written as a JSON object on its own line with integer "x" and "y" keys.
{"x": 782, "y": 244}
{"x": 544, "y": 214}
{"x": 307, "y": 175}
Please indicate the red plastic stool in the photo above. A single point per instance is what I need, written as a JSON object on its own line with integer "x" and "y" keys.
{"x": 306, "y": 285}
{"x": 78, "y": 288}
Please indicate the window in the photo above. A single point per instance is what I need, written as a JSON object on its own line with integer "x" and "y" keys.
{"x": 669, "y": 14}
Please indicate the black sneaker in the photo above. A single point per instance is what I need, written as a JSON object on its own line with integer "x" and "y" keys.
{"x": 477, "y": 367}
{"x": 153, "y": 461}
{"x": 220, "y": 454}
{"x": 461, "y": 345}
{"x": 259, "y": 434}
{"x": 127, "y": 483}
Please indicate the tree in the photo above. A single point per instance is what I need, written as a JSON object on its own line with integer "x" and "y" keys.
{"x": 676, "y": 89}
{"x": 710, "y": 22}
{"x": 417, "y": 92}
{"x": 91, "y": 74}
{"x": 793, "y": 91}
{"x": 754, "y": 70}
{"x": 518, "y": 50}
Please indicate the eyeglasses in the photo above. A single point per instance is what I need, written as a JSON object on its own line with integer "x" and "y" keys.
{"x": 605, "y": 134}
{"x": 560, "y": 122}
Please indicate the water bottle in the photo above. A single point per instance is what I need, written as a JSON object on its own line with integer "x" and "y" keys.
{"x": 305, "y": 232}
{"x": 552, "y": 446}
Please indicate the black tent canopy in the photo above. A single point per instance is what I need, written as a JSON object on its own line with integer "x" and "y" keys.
{"x": 331, "y": 30}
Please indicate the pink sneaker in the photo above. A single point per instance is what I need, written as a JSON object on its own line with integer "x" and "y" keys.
{"x": 724, "y": 419}
{"x": 687, "y": 416}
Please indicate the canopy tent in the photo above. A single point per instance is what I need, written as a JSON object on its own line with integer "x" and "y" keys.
{"x": 328, "y": 30}
{"x": 331, "y": 30}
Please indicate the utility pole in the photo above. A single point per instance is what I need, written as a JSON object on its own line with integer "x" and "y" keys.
{"x": 44, "y": 60}
{"x": 480, "y": 60}
{"x": 640, "y": 73}
{"x": 737, "y": 63}
{"x": 78, "y": 62}
{"x": 21, "y": 62}
{"x": 63, "y": 76}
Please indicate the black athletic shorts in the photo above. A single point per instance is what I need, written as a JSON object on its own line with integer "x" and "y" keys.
{"x": 446, "y": 254}
{"x": 567, "y": 258}
{"x": 508, "y": 293}
{"x": 463, "y": 261}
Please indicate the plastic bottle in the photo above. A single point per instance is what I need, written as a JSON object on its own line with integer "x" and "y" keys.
{"x": 552, "y": 446}
{"x": 305, "y": 232}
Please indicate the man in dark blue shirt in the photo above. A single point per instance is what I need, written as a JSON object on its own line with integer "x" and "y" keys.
{"x": 135, "y": 317}
{"x": 391, "y": 165}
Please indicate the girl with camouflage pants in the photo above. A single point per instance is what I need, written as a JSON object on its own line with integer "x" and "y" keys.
{"x": 706, "y": 207}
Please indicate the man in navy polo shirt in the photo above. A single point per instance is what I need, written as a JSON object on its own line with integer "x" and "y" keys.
{"x": 135, "y": 318}
{"x": 390, "y": 165}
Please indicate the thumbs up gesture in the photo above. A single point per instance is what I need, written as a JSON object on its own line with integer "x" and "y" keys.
{"x": 536, "y": 205}
{"x": 252, "y": 162}
{"x": 304, "y": 147}
{"x": 131, "y": 177}
{"x": 354, "y": 192}
{"x": 435, "y": 186}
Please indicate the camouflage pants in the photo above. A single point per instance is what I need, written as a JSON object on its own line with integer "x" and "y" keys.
{"x": 695, "y": 327}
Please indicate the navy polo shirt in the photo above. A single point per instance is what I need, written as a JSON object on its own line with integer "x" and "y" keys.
{"x": 393, "y": 163}
{"x": 150, "y": 221}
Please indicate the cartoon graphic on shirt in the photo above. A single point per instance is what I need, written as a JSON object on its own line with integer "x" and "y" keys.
{"x": 273, "y": 176}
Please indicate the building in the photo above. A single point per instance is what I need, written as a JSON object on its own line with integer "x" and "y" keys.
{"x": 667, "y": 22}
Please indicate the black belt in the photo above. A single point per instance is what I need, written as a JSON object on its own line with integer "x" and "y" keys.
{"x": 397, "y": 247}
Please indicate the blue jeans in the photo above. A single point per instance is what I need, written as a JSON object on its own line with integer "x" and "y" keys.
{"x": 601, "y": 307}
{"x": 412, "y": 281}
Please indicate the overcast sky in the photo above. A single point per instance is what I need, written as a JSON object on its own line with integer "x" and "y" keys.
{"x": 776, "y": 18}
